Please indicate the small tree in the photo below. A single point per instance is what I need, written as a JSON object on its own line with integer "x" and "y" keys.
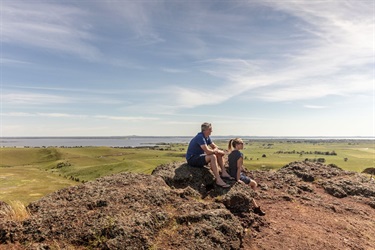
{"x": 322, "y": 160}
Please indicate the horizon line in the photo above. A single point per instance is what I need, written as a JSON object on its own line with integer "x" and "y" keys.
{"x": 231, "y": 136}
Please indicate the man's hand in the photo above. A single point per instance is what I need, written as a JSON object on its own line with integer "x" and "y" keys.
{"x": 219, "y": 152}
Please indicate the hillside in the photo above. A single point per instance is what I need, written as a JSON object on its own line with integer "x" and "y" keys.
{"x": 308, "y": 206}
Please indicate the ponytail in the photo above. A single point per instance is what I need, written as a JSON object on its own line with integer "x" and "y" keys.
{"x": 230, "y": 144}
{"x": 233, "y": 143}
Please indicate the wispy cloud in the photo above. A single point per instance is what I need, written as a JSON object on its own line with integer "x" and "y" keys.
{"x": 33, "y": 99}
{"x": 9, "y": 61}
{"x": 60, "y": 115}
{"x": 46, "y": 96}
{"x": 174, "y": 71}
{"x": 39, "y": 114}
{"x": 125, "y": 118}
{"x": 168, "y": 62}
{"x": 338, "y": 41}
{"x": 101, "y": 91}
{"x": 17, "y": 114}
{"x": 36, "y": 24}
{"x": 137, "y": 17}
{"x": 314, "y": 107}
{"x": 75, "y": 116}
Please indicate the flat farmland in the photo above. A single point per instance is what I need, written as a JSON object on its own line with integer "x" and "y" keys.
{"x": 27, "y": 174}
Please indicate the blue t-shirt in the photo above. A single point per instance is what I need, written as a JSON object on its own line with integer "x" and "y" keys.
{"x": 195, "y": 145}
{"x": 232, "y": 162}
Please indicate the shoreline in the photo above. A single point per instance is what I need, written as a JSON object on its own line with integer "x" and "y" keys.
{"x": 155, "y": 142}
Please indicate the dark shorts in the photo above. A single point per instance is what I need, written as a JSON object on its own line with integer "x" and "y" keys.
{"x": 197, "y": 160}
{"x": 245, "y": 179}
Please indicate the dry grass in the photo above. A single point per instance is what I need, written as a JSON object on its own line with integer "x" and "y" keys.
{"x": 16, "y": 211}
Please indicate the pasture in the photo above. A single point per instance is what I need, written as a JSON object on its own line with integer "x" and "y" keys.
{"x": 27, "y": 174}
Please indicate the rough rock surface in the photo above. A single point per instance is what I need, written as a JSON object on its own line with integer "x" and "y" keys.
{"x": 308, "y": 206}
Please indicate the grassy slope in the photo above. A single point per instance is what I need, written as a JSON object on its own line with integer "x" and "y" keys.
{"x": 21, "y": 177}
{"x": 27, "y": 174}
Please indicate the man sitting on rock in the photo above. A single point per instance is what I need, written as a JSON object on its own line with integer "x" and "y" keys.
{"x": 202, "y": 150}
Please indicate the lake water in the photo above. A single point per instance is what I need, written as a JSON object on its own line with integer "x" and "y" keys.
{"x": 132, "y": 141}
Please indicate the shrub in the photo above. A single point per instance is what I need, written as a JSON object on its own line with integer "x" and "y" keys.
{"x": 16, "y": 211}
{"x": 322, "y": 160}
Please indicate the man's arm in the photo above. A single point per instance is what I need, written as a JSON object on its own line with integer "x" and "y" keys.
{"x": 216, "y": 149}
{"x": 213, "y": 146}
{"x": 207, "y": 150}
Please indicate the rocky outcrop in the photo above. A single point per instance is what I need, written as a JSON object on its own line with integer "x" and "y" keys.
{"x": 337, "y": 182}
{"x": 182, "y": 175}
{"x": 127, "y": 211}
{"x": 177, "y": 207}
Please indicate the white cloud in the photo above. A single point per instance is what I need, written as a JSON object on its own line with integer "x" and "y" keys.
{"x": 174, "y": 71}
{"x": 9, "y": 61}
{"x": 81, "y": 96}
{"x": 67, "y": 115}
{"x": 39, "y": 114}
{"x": 60, "y": 115}
{"x": 340, "y": 42}
{"x": 136, "y": 16}
{"x": 125, "y": 118}
{"x": 33, "y": 98}
{"x": 37, "y": 24}
{"x": 17, "y": 114}
{"x": 314, "y": 107}
{"x": 184, "y": 55}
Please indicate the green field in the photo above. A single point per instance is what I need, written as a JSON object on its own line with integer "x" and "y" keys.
{"x": 350, "y": 155}
{"x": 27, "y": 174}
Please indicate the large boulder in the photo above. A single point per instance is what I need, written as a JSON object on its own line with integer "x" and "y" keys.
{"x": 237, "y": 199}
{"x": 181, "y": 175}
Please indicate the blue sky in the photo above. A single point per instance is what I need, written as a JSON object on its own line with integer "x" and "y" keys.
{"x": 254, "y": 68}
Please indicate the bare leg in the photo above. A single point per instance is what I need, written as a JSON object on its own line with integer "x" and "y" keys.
{"x": 221, "y": 164}
{"x": 213, "y": 164}
{"x": 254, "y": 203}
{"x": 253, "y": 186}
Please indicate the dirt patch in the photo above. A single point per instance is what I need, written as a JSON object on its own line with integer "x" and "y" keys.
{"x": 314, "y": 221}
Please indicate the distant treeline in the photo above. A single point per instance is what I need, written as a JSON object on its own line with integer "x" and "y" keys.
{"x": 306, "y": 152}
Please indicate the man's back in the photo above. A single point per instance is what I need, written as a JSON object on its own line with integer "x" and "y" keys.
{"x": 195, "y": 144}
